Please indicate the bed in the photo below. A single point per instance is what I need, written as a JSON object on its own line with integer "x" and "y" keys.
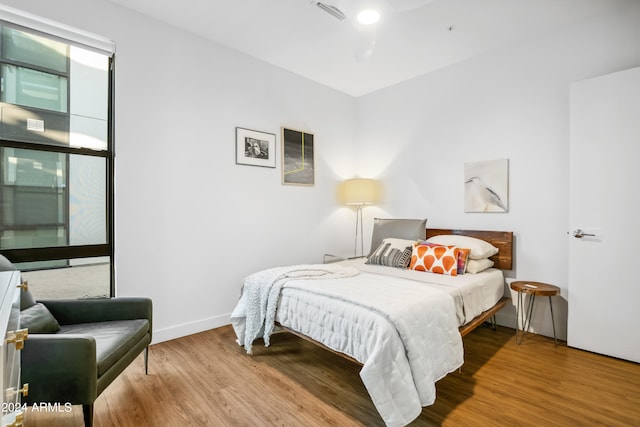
{"x": 404, "y": 326}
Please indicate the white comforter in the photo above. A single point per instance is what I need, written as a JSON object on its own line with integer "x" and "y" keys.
{"x": 404, "y": 333}
{"x": 256, "y": 310}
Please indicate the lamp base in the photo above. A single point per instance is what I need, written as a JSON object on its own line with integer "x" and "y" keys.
{"x": 358, "y": 233}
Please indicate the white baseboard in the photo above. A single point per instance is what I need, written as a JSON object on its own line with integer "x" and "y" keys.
{"x": 190, "y": 328}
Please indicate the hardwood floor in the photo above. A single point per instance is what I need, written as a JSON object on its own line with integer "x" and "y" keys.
{"x": 206, "y": 379}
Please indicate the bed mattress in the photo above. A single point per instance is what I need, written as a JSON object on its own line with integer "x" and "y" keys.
{"x": 471, "y": 293}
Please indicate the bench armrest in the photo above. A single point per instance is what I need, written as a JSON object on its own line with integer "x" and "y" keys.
{"x": 60, "y": 368}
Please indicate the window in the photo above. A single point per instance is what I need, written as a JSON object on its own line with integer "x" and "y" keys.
{"x": 56, "y": 162}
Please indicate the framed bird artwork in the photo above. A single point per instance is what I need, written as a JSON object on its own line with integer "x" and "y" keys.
{"x": 486, "y": 186}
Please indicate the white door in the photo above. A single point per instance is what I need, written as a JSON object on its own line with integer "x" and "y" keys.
{"x": 604, "y": 270}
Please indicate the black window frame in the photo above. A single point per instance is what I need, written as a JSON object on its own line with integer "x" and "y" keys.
{"x": 54, "y": 253}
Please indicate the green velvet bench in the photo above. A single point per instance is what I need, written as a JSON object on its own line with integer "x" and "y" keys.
{"x": 76, "y": 348}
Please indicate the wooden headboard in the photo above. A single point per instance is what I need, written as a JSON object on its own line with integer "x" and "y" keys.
{"x": 503, "y": 240}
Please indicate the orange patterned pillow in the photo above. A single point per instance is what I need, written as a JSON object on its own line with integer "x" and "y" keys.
{"x": 435, "y": 259}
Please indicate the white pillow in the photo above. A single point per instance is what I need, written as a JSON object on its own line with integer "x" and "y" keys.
{"x": 480, "y": 249}
{"x": 477, "y": 265}
{"x": 398, "y": 243}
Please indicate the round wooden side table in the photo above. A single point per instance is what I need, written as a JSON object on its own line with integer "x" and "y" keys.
{"x": 533, "y": 289}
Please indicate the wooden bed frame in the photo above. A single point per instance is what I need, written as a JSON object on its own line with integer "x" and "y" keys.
{"x": 503, "y": 240}
{"x": 503, "y": 260}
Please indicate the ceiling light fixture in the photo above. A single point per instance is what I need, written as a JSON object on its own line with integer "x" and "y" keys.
{"x": 365, "y": 17}
{"x": 368, "y": 16}
{"x": 331, "y": 10}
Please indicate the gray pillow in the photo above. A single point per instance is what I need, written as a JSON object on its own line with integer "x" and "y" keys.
{"x": 392, "y": 253}
{"x": 26, "y": 299}
{"x": 410, "y": 229}
{"x": 39, "y": 320}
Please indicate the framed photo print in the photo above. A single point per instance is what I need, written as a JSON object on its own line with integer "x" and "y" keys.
{"x": 297, "y": 157}
{"x": 486, "y": 186}
{"x": 255, "y": 148}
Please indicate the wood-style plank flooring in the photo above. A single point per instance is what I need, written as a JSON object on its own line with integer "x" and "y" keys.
{"x": 206, "y": 379}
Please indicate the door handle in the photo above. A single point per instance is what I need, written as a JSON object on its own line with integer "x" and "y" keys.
{"x": 579, "y": 234}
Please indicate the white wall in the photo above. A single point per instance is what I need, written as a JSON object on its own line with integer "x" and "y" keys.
{"x": 511, "y": 103}
{"x": 190, "y": 223}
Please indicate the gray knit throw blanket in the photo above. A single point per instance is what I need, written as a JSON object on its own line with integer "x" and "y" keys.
{"x": 262, "y": 292}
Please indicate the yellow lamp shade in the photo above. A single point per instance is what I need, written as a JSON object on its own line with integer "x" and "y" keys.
{"x": 360, "y": 191}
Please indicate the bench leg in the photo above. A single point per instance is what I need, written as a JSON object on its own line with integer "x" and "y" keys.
{"x": 146, "y": 360}
{"x": 87, "y": 411}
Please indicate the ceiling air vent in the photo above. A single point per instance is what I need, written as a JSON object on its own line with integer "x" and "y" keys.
{"x": 331, "y": 10}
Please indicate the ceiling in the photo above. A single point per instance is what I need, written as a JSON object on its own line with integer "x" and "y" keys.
{"x": 424, "y": 35}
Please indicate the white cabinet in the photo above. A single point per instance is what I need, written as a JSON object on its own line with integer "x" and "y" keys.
{"x": 12, "y": 409}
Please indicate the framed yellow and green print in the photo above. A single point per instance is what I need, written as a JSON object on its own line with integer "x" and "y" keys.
{"x": 297, "y": 157}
